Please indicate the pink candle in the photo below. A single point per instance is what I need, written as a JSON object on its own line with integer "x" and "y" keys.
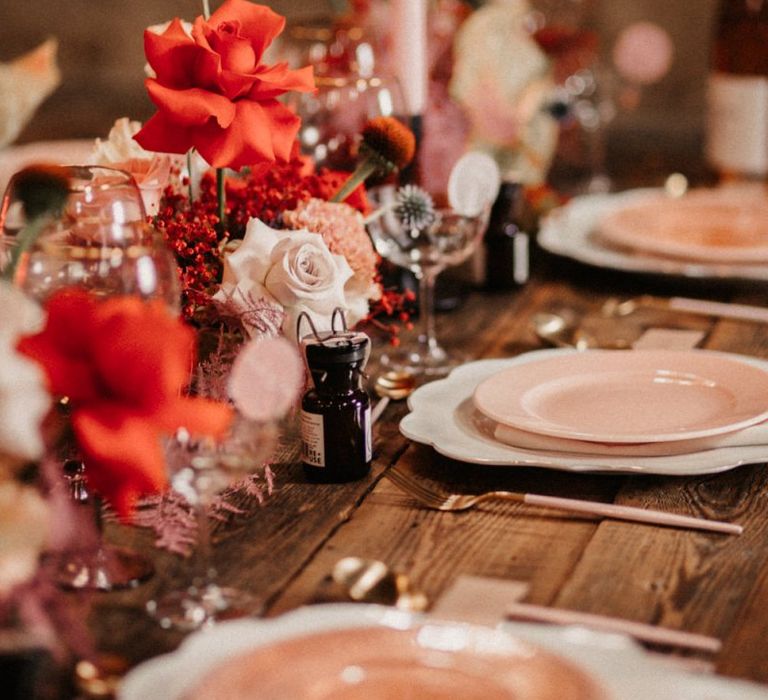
{"x": 409, "y": 51}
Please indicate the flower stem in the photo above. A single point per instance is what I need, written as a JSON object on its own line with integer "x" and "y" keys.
{"x": 364, "y": 170}
{"x": 221, "y": 194}
{"x": 24, "y": 241}
{"x": 190, "y": 174}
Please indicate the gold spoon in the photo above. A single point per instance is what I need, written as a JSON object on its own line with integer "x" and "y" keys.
{"x": 561, "y": 332}
{"x": 372, "y": 581}
{"x": 394, "y": 385}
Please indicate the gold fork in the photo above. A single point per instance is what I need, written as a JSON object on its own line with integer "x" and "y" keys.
{"x": 439, "y": 500}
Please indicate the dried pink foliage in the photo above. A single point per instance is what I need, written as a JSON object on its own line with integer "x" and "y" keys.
{"x": 173, "y": 519}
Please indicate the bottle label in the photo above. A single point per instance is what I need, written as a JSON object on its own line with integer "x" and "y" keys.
{"x": 737, "y": 126}
{"x": 312, "y": 439}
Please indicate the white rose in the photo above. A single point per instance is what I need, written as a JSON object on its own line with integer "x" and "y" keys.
{"x": 151, "y": 171}
{"x": 294, "y": 269}
{"x": 120, "y": 145}
{"x": 24, "y": 401}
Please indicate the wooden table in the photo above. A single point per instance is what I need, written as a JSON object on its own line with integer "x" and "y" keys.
{"x": 711, "y": 584}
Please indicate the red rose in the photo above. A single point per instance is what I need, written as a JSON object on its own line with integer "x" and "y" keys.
{"x": 213, "y": 93}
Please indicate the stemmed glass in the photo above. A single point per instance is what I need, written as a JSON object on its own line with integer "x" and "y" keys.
{"x": 584, "y": 98}
{"x": 350, "y": 91}
{"x": 201, "y": 469}
{"x": 100, "y": 241}
{"x": 333, "y": 116}
{"x": 426, "y": 251}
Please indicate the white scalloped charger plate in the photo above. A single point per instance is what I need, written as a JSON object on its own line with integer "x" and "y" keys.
{"x": 619, "y": 665}
{"x": 571, "y": 231}
{"x": 443, "y": 416}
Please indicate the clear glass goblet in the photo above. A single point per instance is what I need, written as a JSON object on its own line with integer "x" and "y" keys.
{"x": 100, "y": 241}
{"x": 449, "y": 240}
{"x": 201, "y": 469}
{"x": 333, "y": 116}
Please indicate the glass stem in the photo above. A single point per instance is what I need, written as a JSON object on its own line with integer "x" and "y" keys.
{"x": 204, "y": 572}
{"x": 427, "y": 310}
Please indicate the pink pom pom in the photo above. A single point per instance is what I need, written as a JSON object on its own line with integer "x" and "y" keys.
{"x": 266, "y": 378}
{"x": 643, "y": 53}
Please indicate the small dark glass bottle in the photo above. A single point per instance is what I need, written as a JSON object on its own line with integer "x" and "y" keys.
{"x": 336, "y": 441}
{"x": 506, "y": 242}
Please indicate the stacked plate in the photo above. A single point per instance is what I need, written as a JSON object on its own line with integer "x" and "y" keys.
{"x": 711, "y": 226}
{"x": 705, "y": 233}
{"x": 652, "y": 411}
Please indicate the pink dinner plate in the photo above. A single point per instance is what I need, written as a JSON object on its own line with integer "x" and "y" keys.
{"x": 627, "y": 396}
{"x": 720, "y": 226}
{"x": 428, "y": 662}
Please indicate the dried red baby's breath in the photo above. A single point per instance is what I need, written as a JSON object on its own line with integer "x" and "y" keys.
{"x": 194, "y": 233}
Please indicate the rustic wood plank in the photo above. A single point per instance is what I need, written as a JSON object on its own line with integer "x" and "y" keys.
{"x": 511, "y": 541}
{"x": 685, "y": 580}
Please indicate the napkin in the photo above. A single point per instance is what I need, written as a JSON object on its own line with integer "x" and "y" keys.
{"x": 479, "y": 599}
{"x": 753, "y": 435}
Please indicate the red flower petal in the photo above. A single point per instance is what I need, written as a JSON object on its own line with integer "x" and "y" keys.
{"x": 199, "y": 416}
{"x": 273, "y": 81}
{"x": 208, "y": 74}
{"x": 170, "y": 54}
{"x": 258, "y": 22}
{"x": 61, "y": 348}
{"x": 143, "y": 354}
{"x": 236, "y": 51}
{"x": 122, "y": 453}
{"x": 260, "y": 131}
{"x": 192, "y": 107}
{"x": 161, "y": 134}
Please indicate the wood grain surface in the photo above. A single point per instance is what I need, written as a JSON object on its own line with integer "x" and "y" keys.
{"x": 283, "y": 551}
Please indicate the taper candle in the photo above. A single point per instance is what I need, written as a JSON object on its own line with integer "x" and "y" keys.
{"x": 409, "y": 52}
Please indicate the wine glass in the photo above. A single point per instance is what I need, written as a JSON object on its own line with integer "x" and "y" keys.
{"x": 99, "y": 241}
{"x": 584, "y": 98}
{"x": 426, "y": 251}
{"x": 200, "y": 469}
{"x": 333, "y": 117}
{"x": 350, "y": 90}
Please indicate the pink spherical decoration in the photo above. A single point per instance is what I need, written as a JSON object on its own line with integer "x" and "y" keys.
{"x": 643, "y": 53}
